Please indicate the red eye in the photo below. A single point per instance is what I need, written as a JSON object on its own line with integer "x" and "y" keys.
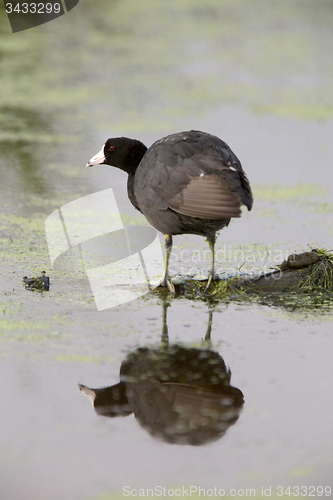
{"x": 111, "y": 148}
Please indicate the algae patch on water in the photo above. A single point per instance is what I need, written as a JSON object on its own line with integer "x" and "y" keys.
{"x": 276, "y": 193}
{"x": 81, "y": 358}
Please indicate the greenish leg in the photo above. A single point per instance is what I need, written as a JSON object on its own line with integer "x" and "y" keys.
{"x": 168, "y": 247}
{"x": 211, "y": 241}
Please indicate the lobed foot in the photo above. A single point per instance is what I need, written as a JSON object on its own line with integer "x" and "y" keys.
{"x": 212, "y": 277}
{"x": 167, "y": 283}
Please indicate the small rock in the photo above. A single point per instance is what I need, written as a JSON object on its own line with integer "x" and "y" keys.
{"x": 296, "y": 261}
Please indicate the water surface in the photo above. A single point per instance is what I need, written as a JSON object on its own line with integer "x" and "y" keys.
{"x": 259, "y": 75}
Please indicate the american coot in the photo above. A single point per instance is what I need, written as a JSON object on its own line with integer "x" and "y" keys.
{"x": 188, "y": 182}
{"x": 179, "y": 393}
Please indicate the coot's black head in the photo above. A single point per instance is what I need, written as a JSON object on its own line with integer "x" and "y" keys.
{"x": 120, "y": 152}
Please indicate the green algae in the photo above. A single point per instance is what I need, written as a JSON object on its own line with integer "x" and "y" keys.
{"x": 27, "y": 330}
{"x": 153, "y": 70}
{"x": 19, "y": 322}
{"x": 301, "y": 471}
{"x": 24, "y": 248}
{"x": 310, "y": 298}
{"x": 267, "y": 213}
{"x": 275, "y": 193}
{"x": 81, "y": 358}
{"x": 144, "y": 55}
{"x": 320, "y": 277}
{"x": 320, "y": 207}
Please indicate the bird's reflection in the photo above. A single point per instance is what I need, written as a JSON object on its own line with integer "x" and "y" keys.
{"x": 178, "y": 393}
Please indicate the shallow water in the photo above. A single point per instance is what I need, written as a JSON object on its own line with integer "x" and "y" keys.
{"x": 259, "y": 75}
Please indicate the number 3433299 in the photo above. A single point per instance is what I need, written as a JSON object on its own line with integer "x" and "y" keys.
{"x": 32, "y": 8}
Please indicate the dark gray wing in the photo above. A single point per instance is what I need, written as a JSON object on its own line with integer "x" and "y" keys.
{"x": 195, "y": 174}
{"x": 207, "y": 197}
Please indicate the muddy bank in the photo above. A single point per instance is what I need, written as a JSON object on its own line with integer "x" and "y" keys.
{"x": 304, "y": 272}
{"x": 307, "y": 272}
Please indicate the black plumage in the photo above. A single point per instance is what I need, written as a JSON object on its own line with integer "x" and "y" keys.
{"x": 188, "y": 182}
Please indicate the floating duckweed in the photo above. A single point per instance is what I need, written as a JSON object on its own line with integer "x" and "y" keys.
{"x": 80, "y": 358}
{"x": 277, "y": 193}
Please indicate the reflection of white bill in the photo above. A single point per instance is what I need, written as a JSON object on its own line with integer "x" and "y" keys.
{"x": 94, "y": 223}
